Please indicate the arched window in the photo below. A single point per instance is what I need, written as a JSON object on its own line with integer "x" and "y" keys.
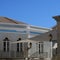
{"x": 6, "y": 44}
{"x": 19, "y": 46}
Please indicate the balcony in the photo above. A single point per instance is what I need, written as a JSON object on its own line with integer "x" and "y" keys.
{"x": 12, "y": 54}
{"x": 21, "y": 55}
{"x": 41, "y": 55}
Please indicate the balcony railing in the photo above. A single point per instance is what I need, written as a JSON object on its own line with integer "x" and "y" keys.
{"x": 11, "y": 54}
{"x": 41, "y": 55}
{"x": 14, "y": 54}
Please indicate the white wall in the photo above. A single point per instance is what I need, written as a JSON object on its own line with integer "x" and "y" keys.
{"x": 48, "y": 49}
{"x": 12, "y": 37}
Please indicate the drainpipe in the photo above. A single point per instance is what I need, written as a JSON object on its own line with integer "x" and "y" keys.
{"x": 57, "y": 57}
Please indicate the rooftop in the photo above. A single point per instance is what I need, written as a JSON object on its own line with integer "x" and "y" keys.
{"x": 8, "y": 20}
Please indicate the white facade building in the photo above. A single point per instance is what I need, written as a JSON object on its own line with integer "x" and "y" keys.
{"x": 11, "y": 31}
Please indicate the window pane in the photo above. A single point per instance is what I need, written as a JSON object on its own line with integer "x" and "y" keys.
{"x": 39, "y": 48}
{"x": 17, "y": 44}
{"x": 4, "y": 44}
{"x": 7, "y": 44}
{"x": 21, "y": 47}
{"x": 4, "y": 49}
{"x": 17, "y": 49}
{"x": 42, "y": 47}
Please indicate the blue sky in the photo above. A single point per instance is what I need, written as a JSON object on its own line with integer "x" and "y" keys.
{"x": 34, "y": 12}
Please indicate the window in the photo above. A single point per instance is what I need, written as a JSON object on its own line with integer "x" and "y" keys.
{"x": 54, "y": 45}
{"x": 50, "y": 36}
{"x": 6, "y": 44}
{"x": 19, "y": 46}
{"x": 40, "y": 47}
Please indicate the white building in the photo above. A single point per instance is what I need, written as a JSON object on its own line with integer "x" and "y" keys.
{"x": 49, "y": 42}
{"x": 11, "y": 31}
